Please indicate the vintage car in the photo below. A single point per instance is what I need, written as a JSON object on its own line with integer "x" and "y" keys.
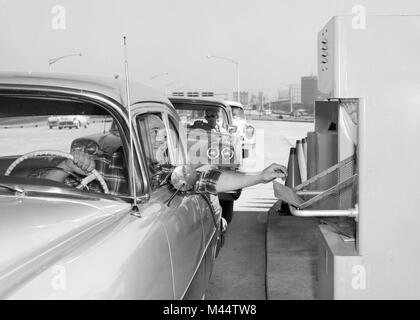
{"x": 245, "y": 130}
{"x": 219, "y": 146}
{"x": 135, "y": 229}
{"x": 53, "y": 121}
{"x": 68, "y": 121}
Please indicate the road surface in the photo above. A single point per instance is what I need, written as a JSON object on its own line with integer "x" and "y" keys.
{"x": 239, "y": 271}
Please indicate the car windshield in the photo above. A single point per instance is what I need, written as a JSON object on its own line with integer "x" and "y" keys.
{"x": 57, "y": 128}
{"x": 238, "y": 113}
{"x": 201, "y": 116}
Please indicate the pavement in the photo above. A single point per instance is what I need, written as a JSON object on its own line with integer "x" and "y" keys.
{"x": 291, "y": 242}
{"x": 291, "y": 250}
{"x": 267, "y": 255}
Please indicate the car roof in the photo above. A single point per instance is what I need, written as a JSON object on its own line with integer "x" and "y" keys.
{"x": 110, "y": 87}
{"x": 234, "y": 103}
{"x": 199, "y": 101}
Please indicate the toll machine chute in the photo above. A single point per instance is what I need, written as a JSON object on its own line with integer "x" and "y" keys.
{"x": 367, "y": 127}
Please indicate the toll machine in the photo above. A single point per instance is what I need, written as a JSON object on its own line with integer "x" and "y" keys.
{"x": 369, "y": 80}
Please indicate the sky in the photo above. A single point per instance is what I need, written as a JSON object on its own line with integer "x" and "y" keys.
{"x": 273, "y": 40}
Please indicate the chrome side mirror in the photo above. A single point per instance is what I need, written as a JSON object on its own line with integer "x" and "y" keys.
{"x": 183, "y": 178}
{"x": 232, "y": 129}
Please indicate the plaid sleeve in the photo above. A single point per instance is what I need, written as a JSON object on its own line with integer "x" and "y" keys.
{"x": 112, "y": 170}
{"x": 207, "y": 181}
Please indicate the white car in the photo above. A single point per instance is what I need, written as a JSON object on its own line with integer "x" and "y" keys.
{"x": 245, "y": 130}
{"x": 76, "y": 121}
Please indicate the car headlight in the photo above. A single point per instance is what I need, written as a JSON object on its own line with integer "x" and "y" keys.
{"x": 249, "y": 131}
{"x": 228, "y": 153}
{"x": 212, "y": 153}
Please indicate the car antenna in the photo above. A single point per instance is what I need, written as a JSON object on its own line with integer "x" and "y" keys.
{"x": 127, "y": 87}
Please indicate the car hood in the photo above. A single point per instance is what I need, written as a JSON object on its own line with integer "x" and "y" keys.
{"x": 194, "y": 134}
{"x": 34, "y": 231}
{"x": 239, "y": 123}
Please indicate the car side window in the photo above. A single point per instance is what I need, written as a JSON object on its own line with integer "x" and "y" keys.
{"x": 153, "y": 136}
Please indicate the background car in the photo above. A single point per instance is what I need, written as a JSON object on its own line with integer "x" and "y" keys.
{"x": 73, "y": 121}
{"x": 127, "y": 234}
{"x": 223, "y": 149}
{"x": 53, "y": 121}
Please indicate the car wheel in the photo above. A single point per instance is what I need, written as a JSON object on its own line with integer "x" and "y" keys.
{"x": 50, "y": 127}
{"x": 227, "y": 210}
{"x": 60, "y": 128}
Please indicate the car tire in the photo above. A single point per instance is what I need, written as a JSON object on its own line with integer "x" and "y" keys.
{"x": 227, "y": 210}
{"x": 60, "y": 128}
{"x": 50, "y": 127}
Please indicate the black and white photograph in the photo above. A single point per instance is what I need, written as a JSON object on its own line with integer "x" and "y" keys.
{"x": 227, "y": 152}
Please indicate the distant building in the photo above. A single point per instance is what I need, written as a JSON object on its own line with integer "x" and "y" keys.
{"x": 281, "y": 106}
{"x": 260, "y": 99}
{"x": 309, "y": 88}
{"x": 296, "y": 93}
{"x": 244, "y": 97}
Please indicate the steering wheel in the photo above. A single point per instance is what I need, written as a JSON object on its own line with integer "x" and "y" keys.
{"x": 94, "y": 175}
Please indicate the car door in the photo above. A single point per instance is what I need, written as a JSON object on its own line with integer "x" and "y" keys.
{"x": 210, "y": 209}
{"x": 182, "y": 218}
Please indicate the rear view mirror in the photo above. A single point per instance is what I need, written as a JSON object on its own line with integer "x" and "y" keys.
{"x": 232, "y": 129}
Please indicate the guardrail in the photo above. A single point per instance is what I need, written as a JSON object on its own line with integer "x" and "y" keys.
{"x": 43, "y": 123}
{"x": 276, "y": 118}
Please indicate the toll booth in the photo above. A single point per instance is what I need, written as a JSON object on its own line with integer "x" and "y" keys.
{"x": 367, "y": 130}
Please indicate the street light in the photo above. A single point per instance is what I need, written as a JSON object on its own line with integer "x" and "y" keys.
{"x": 236, "y": 62}
{"x": 158, "y": 75}
{"x": 54, "y": 60}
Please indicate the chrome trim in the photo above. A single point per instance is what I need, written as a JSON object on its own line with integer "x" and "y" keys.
{"x": 170, "y": 257}
{"x": 199, "y": 264}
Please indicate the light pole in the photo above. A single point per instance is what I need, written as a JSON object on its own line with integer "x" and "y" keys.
{"x": 54, "y": 60}
{"x": 158, "y": 75}
{"x": 236, "y": 62}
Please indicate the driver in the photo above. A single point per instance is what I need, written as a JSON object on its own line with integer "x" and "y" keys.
{"x": 110, "y": 167}
{"x": 212, "y": 117}
{"x": 236, "y": 114}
